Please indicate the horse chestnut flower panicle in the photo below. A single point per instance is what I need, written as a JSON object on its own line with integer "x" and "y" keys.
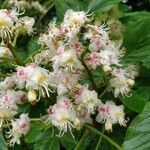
{"x": 69, "y": 50}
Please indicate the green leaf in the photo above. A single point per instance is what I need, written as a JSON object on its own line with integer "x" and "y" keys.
{"x": 144, "y": 91}
{"x": 102, "y": 5}
{"x": 68, "y": 142}
{"x": 35, "y": 132}
{"x": 138, "y": 133}
{"x": 32, "y": 45}
{"x": 47, "y": 141}
{"x": 134, "y": 102}
{"x": 3, "y": 145}
{"x": 137, "y": 40}
{"x": 63, "y": 5}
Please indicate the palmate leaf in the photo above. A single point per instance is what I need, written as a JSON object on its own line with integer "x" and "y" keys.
{"x": 68, "y": 142}
{"x": 137, "y": 39}
{"x": 47, "y": 141}
{"x": 138, "y": 133}
{"x": 99, "y": 6}
{"x": 63, "y": 5}
{"x": 134, "y": 102}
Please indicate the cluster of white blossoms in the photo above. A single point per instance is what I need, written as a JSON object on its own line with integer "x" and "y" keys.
{"x": 110, "y": 114}
{"x": 8, "y": 104}
{"x": 11, "y": 23}
{"x": 76, "y": 103}
{"x": 23, "y": 4}
{"x": 69, "y": 49}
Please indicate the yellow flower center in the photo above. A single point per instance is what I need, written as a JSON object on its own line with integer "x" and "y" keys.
{"x": 73, "y": 21}
{"x": 3, "y": 23}
{"x": 5, "y": 113}
{"x": 70, "y": 60}
{"x": 63, "y": 118}
{"x": 91, "y": 100}
{"x": 117, "y": 114}
{"x": 41, "y": 78}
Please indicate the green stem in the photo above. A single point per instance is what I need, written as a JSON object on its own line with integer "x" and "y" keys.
{"x": 100, "y": 140}
{"x": 104, "y": 76}
{"x": 103, "y": 93}
{"x": 82, "y": 139}
{"x": 104, "y": 136}
{"x": 88, "y": 72}
{"x": 35, "y": 119}
{"x": 15, "y": 39}
{"x": 12, "y": 49}
{"x": 34, "y": 53}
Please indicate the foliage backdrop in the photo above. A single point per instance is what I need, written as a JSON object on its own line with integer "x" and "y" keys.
{"x": 136, "y": 38}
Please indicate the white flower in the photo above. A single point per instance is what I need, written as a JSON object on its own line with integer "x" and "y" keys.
{"x": 93, "y": 59}
{"x": 97, "y": 43}
{"x": 123, "y": 80}
{"x": 120, "y": 86}
{"x": 9, "y": 99}
{"x": 109, "y": 57}
{"x": 63, "y": 81}
{"x": 132, "y": 71}
{"x": 89, "y": 99}
{"x": 117, "y": 114}
{"x": 52, "y": 38}
{"x": 20, "y": 127}
{"x": 83, "y": 115}
{"x": 39, "y": 80}
{"x": 62, "y": 115}
{"x": 67, "y": 60}
{"x": 27, "y": 23}
{"x": 8, "y": 104}
{"x": 119, "y": 73}
{"x": 23, "y": 74}
{"x": 6, "y": 114}
{"x": 103, "y": 112}
{"x": 77, "y": 46}
{"x": 96, "y": 31}
{"x": 44, "y": 57}
{"x": 6, "y": 23}
{"x": 110, "y": 114}
{"x": 33, "y": 77}
{"x": 8, "y": 83}
{"x": 75, "y": 18}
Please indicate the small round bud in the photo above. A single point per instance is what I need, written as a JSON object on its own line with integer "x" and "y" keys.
{"x": 130, "y": 82}
{"x": 108, "y": 125}
{"x": 32, "y": 96}
{"x": 107, "y": 68}
{"x": 76, "y": 122}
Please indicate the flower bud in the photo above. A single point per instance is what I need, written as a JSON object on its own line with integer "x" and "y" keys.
{"x": 106, "y": 68}
{"x": 76, "y": 122}
{"x": 108, "y": 125}
{"x": 32, "y": 96}
{"x": 130, "y": 82}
